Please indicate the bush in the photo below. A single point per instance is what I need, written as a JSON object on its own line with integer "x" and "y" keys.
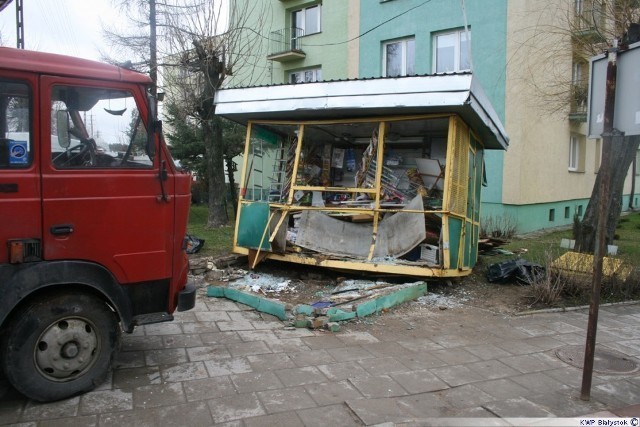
{"x": 502, "y": 227}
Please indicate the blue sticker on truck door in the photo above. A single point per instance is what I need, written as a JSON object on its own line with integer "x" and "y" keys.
{"x": 18, "y": 154}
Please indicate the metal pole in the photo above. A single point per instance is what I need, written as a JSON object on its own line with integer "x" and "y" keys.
{"x": 603, "y": 193}
{"x": 19, "y": 25}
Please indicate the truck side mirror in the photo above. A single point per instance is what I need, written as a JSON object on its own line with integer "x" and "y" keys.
{"x": 62, "y": 126}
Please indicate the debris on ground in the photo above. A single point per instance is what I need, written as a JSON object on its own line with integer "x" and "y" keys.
{"x": 518, "y": 269}
{"x": 194, "y": 244}
{"x": 490, "y": 245}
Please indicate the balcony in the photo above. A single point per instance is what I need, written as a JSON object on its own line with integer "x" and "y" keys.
{"x": 578, "y": 103}
{"x": 589, "y": 24}
{"x": 286, "y": 45}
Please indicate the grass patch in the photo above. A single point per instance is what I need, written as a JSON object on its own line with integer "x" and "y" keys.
{"x": 567, "y": 290}
{"x": 218, "y": 241}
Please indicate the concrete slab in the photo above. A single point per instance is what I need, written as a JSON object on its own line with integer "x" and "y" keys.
{"x": 290, "y": 399}
{"x": 381, "y": 410}
{"x": 517, "y": 407}
{"x": 236, "y": 407}
{"x": 378, "y": 386}
{"x": 283, "y": 419}
{"x": 332, "y": 393}
{"x": 329, "y": 415}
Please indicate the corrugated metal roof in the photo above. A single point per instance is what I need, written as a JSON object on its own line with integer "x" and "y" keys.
{"x": 440, "y": 93}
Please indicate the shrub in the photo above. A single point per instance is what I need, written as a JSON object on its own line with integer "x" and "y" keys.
{"x": 499, "y": 227}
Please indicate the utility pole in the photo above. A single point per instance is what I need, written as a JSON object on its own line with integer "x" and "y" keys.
{"x": 604, "y": 173}
{"x": 19, "y": 25}
{"x": 153, "y": 58}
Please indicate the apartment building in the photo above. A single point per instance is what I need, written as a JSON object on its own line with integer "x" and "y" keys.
{"x": 524, "y": 53}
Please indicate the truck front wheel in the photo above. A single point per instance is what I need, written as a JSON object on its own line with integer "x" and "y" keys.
{"x": 59, "y": 346}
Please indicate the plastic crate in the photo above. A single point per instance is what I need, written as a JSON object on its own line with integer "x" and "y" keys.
{"x": 430, "y": 253}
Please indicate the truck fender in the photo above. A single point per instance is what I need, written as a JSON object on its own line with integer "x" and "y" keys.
{"x": 18, "y": 282}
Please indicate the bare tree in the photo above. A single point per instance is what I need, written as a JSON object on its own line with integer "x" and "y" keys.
{"x": 583, "y": 28}
{"x": 200, "y": 42}
{"x": 209, "y": 44}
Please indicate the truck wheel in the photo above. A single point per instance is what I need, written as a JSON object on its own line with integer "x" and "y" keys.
{"x": 59, "y": 346}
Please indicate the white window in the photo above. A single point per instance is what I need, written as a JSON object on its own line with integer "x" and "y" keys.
{"x": 307, "y": 19}
{"x": 399, "y": 58}
{"x": 578, "y": 7}
{"x": 577, "y": 73}
{"x": 574, "y": 153}
{"x": 451, "y": 52}
{"x": 305, "y": 76}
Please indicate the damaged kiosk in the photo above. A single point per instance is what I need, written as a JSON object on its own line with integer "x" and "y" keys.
{"x": 379, "y": 175}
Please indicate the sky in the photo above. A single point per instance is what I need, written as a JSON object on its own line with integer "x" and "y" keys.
{"x": 69, "y": 27}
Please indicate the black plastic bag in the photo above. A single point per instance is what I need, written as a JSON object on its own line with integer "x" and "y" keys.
{"x": 193, "y": 244}
{"x": 519, "y": 269}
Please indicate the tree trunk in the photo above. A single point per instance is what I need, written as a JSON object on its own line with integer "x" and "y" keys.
{"x": 623, "y": 152}
{"x": 232, "y": 184}
{"x": 215, "y": 161}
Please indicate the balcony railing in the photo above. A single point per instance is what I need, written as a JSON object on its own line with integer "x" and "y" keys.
{"x": 286, "y": 44}
{"x": 590, "y": 21}
{"x": 578, "y": 104}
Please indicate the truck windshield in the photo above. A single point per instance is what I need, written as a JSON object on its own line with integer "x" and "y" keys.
{"x": 103, "y": 126}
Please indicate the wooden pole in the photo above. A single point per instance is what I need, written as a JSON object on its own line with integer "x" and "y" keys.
{"x": 603, "y": 192}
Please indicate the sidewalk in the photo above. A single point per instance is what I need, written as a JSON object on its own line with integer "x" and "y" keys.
{"x": 224, "y": 364}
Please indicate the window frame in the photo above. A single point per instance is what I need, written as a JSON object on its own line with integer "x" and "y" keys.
{"x": 404, "y": 49}
{"x": 30, "y": 153}
{"x": 317, "y": 74}
{"x": 116, "y": 163}
{"x": 303, "y": 15}
{"x": 457, "y": 49}
{"x": 577, "y": 155}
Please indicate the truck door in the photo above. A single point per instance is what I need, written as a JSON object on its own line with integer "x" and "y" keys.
{"x": 19, "y": 169}
{"x": 100, "y": 187}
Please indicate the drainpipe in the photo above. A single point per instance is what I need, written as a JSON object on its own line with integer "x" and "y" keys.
{"x": 634, "y": 172}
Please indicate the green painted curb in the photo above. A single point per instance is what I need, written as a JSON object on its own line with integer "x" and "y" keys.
{"x": 263, "y": 305}
{"x": 391, "y": 300}
{"x": 337, "y": 315}
{"x": 307, "y": 310}
{"x": 215, "y": 291}
{"x": 248, "y": 299}
{"x": 400, "y": 296}
{"x": 366, "y": 308}
{"x": 274, "y": 308}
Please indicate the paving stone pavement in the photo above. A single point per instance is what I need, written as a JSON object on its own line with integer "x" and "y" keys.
{"x": 222, "y": 363}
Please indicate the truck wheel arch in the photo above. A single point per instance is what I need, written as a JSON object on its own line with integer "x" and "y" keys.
{"x": 22, "y": 283}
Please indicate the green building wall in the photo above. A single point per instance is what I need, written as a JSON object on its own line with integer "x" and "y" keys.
{"x": 487, "y": 20}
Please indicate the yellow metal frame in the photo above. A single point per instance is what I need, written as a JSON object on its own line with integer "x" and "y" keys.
{"x": 456, "y": 129}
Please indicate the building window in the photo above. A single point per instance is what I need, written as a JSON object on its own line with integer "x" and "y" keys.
{"x": 567, "y": 212}
{"x": 576, "y": 153}
{"x": 305, "y": 76}
{"x": 552, "y": 215}
{"x": 579, "y": 210}
{"x": 399, "y": 58}
{"x": 451, "y": 51}
{"x": 307, "y": 19}
{"x": 638, "y": 163}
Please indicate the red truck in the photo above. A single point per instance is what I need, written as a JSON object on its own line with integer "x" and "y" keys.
{"x": 93, "y": 217}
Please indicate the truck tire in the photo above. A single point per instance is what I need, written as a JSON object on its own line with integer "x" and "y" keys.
{"x": 59, "y": 346}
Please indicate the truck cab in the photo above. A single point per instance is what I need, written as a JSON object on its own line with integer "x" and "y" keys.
{"x": 94, "y": 215}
